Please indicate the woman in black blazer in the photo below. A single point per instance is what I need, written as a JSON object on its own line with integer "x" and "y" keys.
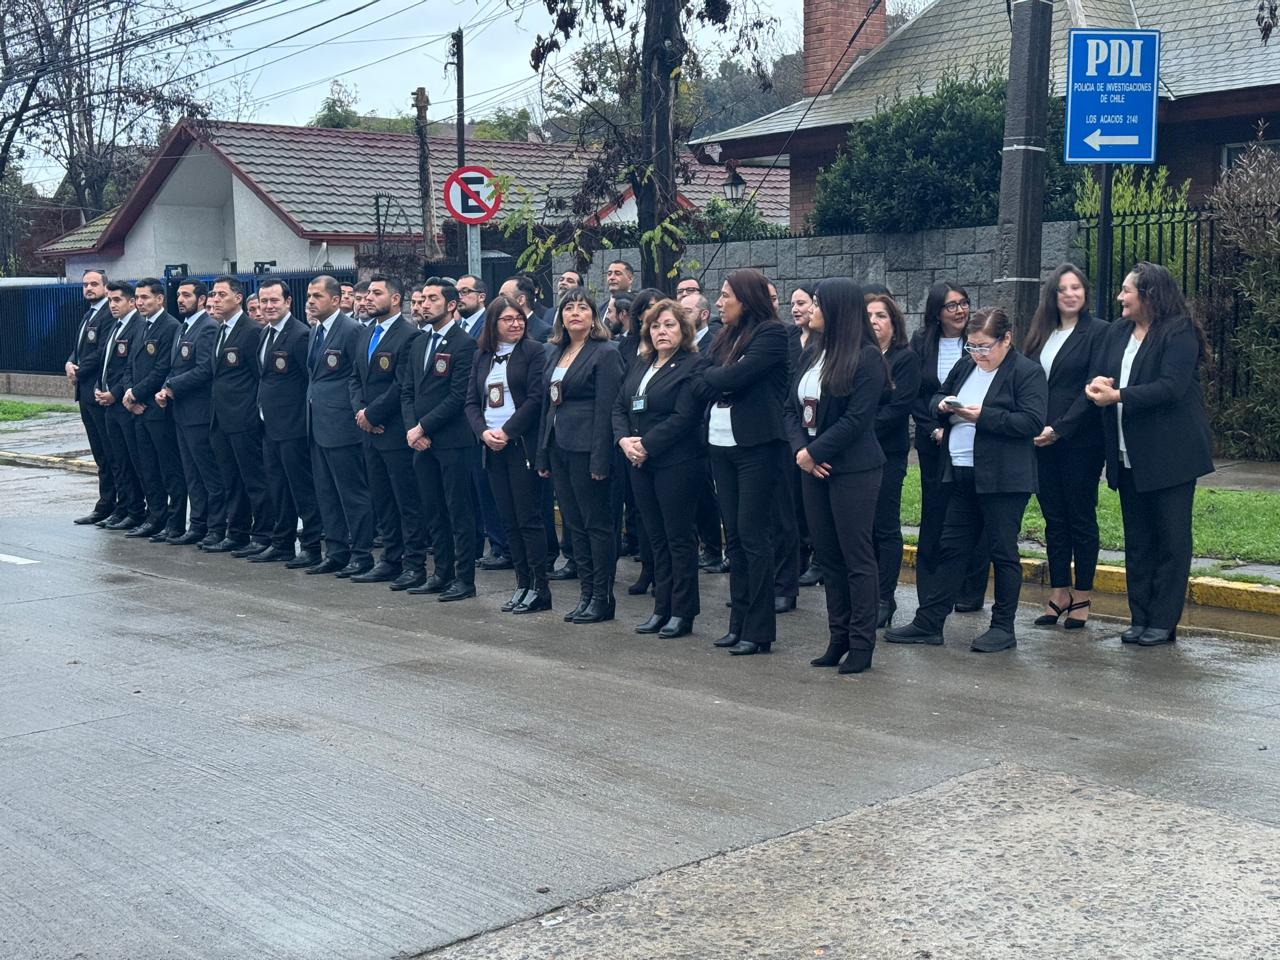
{"x": 575, "y": 445}
{"x": 1065, "y": 340}
{"x": 657, "y": 424}
{"x": 503, "y": 407}
{"x": 746, "y": 385}
{"x": 894, "y": 433}
{"x": 991, "y": 407}
{"x": 831, "y": 423}
{"x": 1157, "y": 443}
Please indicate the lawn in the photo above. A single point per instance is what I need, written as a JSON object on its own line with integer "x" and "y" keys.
{"x": 11, "y": 410}
{"x": 1242, "y": 525}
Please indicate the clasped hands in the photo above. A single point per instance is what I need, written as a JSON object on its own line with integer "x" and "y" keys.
{"x": 1102, "y": 391}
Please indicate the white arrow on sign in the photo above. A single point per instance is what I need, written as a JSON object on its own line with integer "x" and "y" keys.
{"x": 1098, "y": 141}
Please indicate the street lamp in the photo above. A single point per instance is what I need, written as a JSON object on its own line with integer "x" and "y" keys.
{"x": 734, "y": 186}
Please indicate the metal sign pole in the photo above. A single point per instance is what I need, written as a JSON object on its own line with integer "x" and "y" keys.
{"x": 473, "y": 250}
{"x": 1102, "y": 305}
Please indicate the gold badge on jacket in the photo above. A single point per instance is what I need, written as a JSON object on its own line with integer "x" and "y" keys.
{"x": 281, "y": 362}
{"x": 184, "y": 351}
{"x": 232, "y": 356}
{"x": 441, "y": 364}
{"x": 151, "y": 348}
{"x": 91, "y": 336}
{"x": 384, "y": 361}
{"x": 332, "y": 358}
{"x": 122, "y": 348}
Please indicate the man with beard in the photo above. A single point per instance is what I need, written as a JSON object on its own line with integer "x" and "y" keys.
{"x": 472, "y": 294}
{"x": 83, "y": 368}
{"x": 113, "y": 381}
{"x": 415, "y": 306}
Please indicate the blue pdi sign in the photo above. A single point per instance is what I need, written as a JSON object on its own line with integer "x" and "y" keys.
{"x": 1112, "y": 91}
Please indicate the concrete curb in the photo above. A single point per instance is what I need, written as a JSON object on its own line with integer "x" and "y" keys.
{"x": 15, "y": 459}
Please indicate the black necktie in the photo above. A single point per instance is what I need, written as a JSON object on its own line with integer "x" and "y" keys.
{"x": 271, "y": 339}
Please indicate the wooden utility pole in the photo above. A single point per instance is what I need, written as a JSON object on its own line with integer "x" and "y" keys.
{"x": 661, "y": 56}
{"x": 426, "y": 192}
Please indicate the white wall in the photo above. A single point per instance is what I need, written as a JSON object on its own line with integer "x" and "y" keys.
{"x": 261, "y": 235}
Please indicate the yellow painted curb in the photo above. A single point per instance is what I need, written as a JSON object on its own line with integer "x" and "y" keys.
{"x": 45, "y": 460}
{"x": 1109, "y": 579}
{"x": 1250, "y": 597}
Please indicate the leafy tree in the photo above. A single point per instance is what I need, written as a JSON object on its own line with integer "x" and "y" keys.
{"x": 338, "y": 109}
{"x": 736, "y": 95}
{"x": 504, "y": 124}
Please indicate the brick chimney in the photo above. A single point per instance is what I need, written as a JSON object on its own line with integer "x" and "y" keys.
{"x": 828, "y": 25}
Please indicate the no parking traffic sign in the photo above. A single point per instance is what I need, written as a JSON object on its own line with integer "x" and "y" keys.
{"x": 471, "y": 194}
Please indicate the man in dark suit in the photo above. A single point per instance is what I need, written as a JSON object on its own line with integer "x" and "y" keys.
{"x": 434, "y": 377}
{"x": 235, "y": 429}
{"x": 166, "y": 488}
{"x": 337, "y": 455}
{"x": 472, "y": 294}
{"x": 113, "y": 381}
{"x": 188, "y": 391}
{"x": 82, "y": 368}
{"x": 286, "y": 452}
{"x": 375, "y": 398}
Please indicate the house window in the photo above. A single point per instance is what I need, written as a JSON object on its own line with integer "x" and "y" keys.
{"x": 1231, "y": 152}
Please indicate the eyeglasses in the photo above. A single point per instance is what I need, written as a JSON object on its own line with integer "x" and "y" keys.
{"x": 690, "y": 288}
{"x": 463, "y": 291}
{"x": 981, "y": 349}
{"x": 955, "y": 306}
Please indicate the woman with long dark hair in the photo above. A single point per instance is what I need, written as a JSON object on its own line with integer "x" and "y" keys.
{"x": 503, "y": 407}
{"x": 801, "y": 309}
{"x": 632, "y": 539}
{"x": 831, "y": 423}
{"x": 746, "y": 384}
{"x": 991, "y": 407}
{"x": 657, "y": 425}
{"x": 1157, "y": 443}
{"x": 894, "y": 433}
{"x": 1066, "y": 340}
{"x": 576, "y": 444}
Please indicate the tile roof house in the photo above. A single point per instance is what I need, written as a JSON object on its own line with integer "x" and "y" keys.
{"x": 302, "y": 196}
{"x": 1217, "y": 80}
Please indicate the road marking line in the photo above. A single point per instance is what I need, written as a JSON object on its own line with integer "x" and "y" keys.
{"x": 21, "y": 561}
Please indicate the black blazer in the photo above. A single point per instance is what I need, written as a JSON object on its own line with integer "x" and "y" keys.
{"x": 95, "y": 327}
{"x": 892, "y": 429}
{"x": 330, "y": 419}
{"x": 117, "y": 376}
{"x": 756, "y": 386}
{"x": 282, "y": 384}
{"x": 374, "y": 387}
{"x": 1166, "y": 430}
{"x": 191, "y": 373}
{"x": 150, "y": 361}
{"x": 435, "y": 398}
{"x": 1076, "y": 421}
{"x": 583, "y": 422}
{"x": 1013, "y": 412}
{"x": 924, "y": 412}
{"x": 525, "y": 368}
{"x": 846, "y": 437}
{"x": 235, "y": 378}
{"x": 670, "y": 426}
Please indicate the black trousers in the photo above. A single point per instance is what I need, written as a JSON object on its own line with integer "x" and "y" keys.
{"x": 585, "y": 509}
{"x": 444, "y": 488}
{"x": 802, "y": 521}
{"x": 628, "y": 519}
{"x": 974, "y": 518}
{"x": 94, "y": 417}
{"x": 934, "y": 495}
{"x": 517, "y": 493}
{"x": 748, "y": 479}
{"x": 662, "y": 494}
{"x": 293, "y": 493}
{"x": 342, "y": 494}
{"x": 786, "y": 529}
{"x": 1157, "y": 551}
{"x": 888, "y": 525}
{"x": 149, "y": 473}
{"x": 250, "y": 514}
{"x": 397, "y": 504}
{"x": 556, "y": 545}
{"x": 205, "y": 490}
{"x": 122, "y": 446}
{"x": 159, "y": 442}
{"x": 708, "y": 514}
{"x": 489, "y": 523}
{"x": 1068, "y": 495}
{"x": 841, "y": 511}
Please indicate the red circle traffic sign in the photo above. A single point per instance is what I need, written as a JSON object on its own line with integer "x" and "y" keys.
{"x": 471, "y": 194}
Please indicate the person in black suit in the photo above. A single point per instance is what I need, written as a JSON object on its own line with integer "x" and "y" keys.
{"x": 82, "y": 369}
{"x": 894, "y": 433}
{"x": 503, "y": 408}
{"x": 707, "y": 517}
{"x": 166, "y": 488}
{"x": 657, "y": 424}
{"x": 337, "y": 453}
{"x": 375, "y": 397}
{"x": 831, "y": 421}
{"x": 1157, "y": 443}
{"x": 286, "y": 451}
{"x": 188, "y": 391}
{"x": 801, "y": 308}
{"x": 991, "y": 407}
{"x": 939, "y": 343}
{"x": 575, "y": 445}
{"x": 434, "y": 378}
{"x": 1065, "y": 340}
{"x": 113, "y": 381}
{"x": 746, "y": 383}
{"x": 235, "y": 429}
{"x": 787, "y": 504}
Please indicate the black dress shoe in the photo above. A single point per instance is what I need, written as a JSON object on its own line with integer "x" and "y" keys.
{"x": 327, "y": 565}
{"x": 382, "y": 572}
{"x": 457, "y": 591}
{"x": 856, "y": 662}
{"x": 707, "y": 559}
{"x": 496, "y": 561}
{"x": 160, "y": 536}
{"x": 784, "y": 604}
{"x": 884, "y": 615}
{"x": 273, "y": 555}
{"x": 224, "y": 546}
{"x": 1154, "y": 637}
{"x": 109, "y": 519}
{"x": 583, "y": 603}
{"x": 250, "y": 550}
{"x": 641, "y": 586}
{"x": 1133, "y": 634}
{"x": 187, "y": 539}
{"x": 721, "y": 567}
{"x": 90, "y": 518}
{"x": 812, "y": 576}
{"x": 408, "y": 579}
{"x": 568, "y": 572}
{"x": 598, "y": 610}
{"x": 535, "y": 600}
{"x": 144, "y": 529}
{"x": 433, "y": 584}
{"x": 913, "y": 634}
{"x": 745, "y": 648}
{"x": 354, "y": 568}
{"x": 305, "y": 559}
{"x": 652, "y": 625}
{"x": 123, "y": 523}
{"x": 994, "y": 640}
{"x": 832, "y": 656}
{"x": 516, "y": 600}
{"x": 676, "y": 627}
{"x": 728, "y": 640}
{"x": 962, "y": 607}
{"x": 210, "y": 540}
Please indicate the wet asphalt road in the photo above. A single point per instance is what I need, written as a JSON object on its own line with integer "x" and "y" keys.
{"x": 200, "y": 758}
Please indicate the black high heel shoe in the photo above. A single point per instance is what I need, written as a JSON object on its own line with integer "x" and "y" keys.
{"x": 857, "y": 661}
{"x": 641, "y": 586}
{"x": 1051, "y": 619}
{"x": 884, "y": 616}
{"x": 832, "y": 657}
{"x": 1071, "y": 623}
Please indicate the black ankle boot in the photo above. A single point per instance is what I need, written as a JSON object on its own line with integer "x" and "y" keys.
{"x": 832, "y": 657}
{"x": 583, "y": 603}
{"x": 535, "y": 600}
{"x": 597, "y": 611}
{"x": 884, "y": 618}
{"x": 642, "y": 585}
